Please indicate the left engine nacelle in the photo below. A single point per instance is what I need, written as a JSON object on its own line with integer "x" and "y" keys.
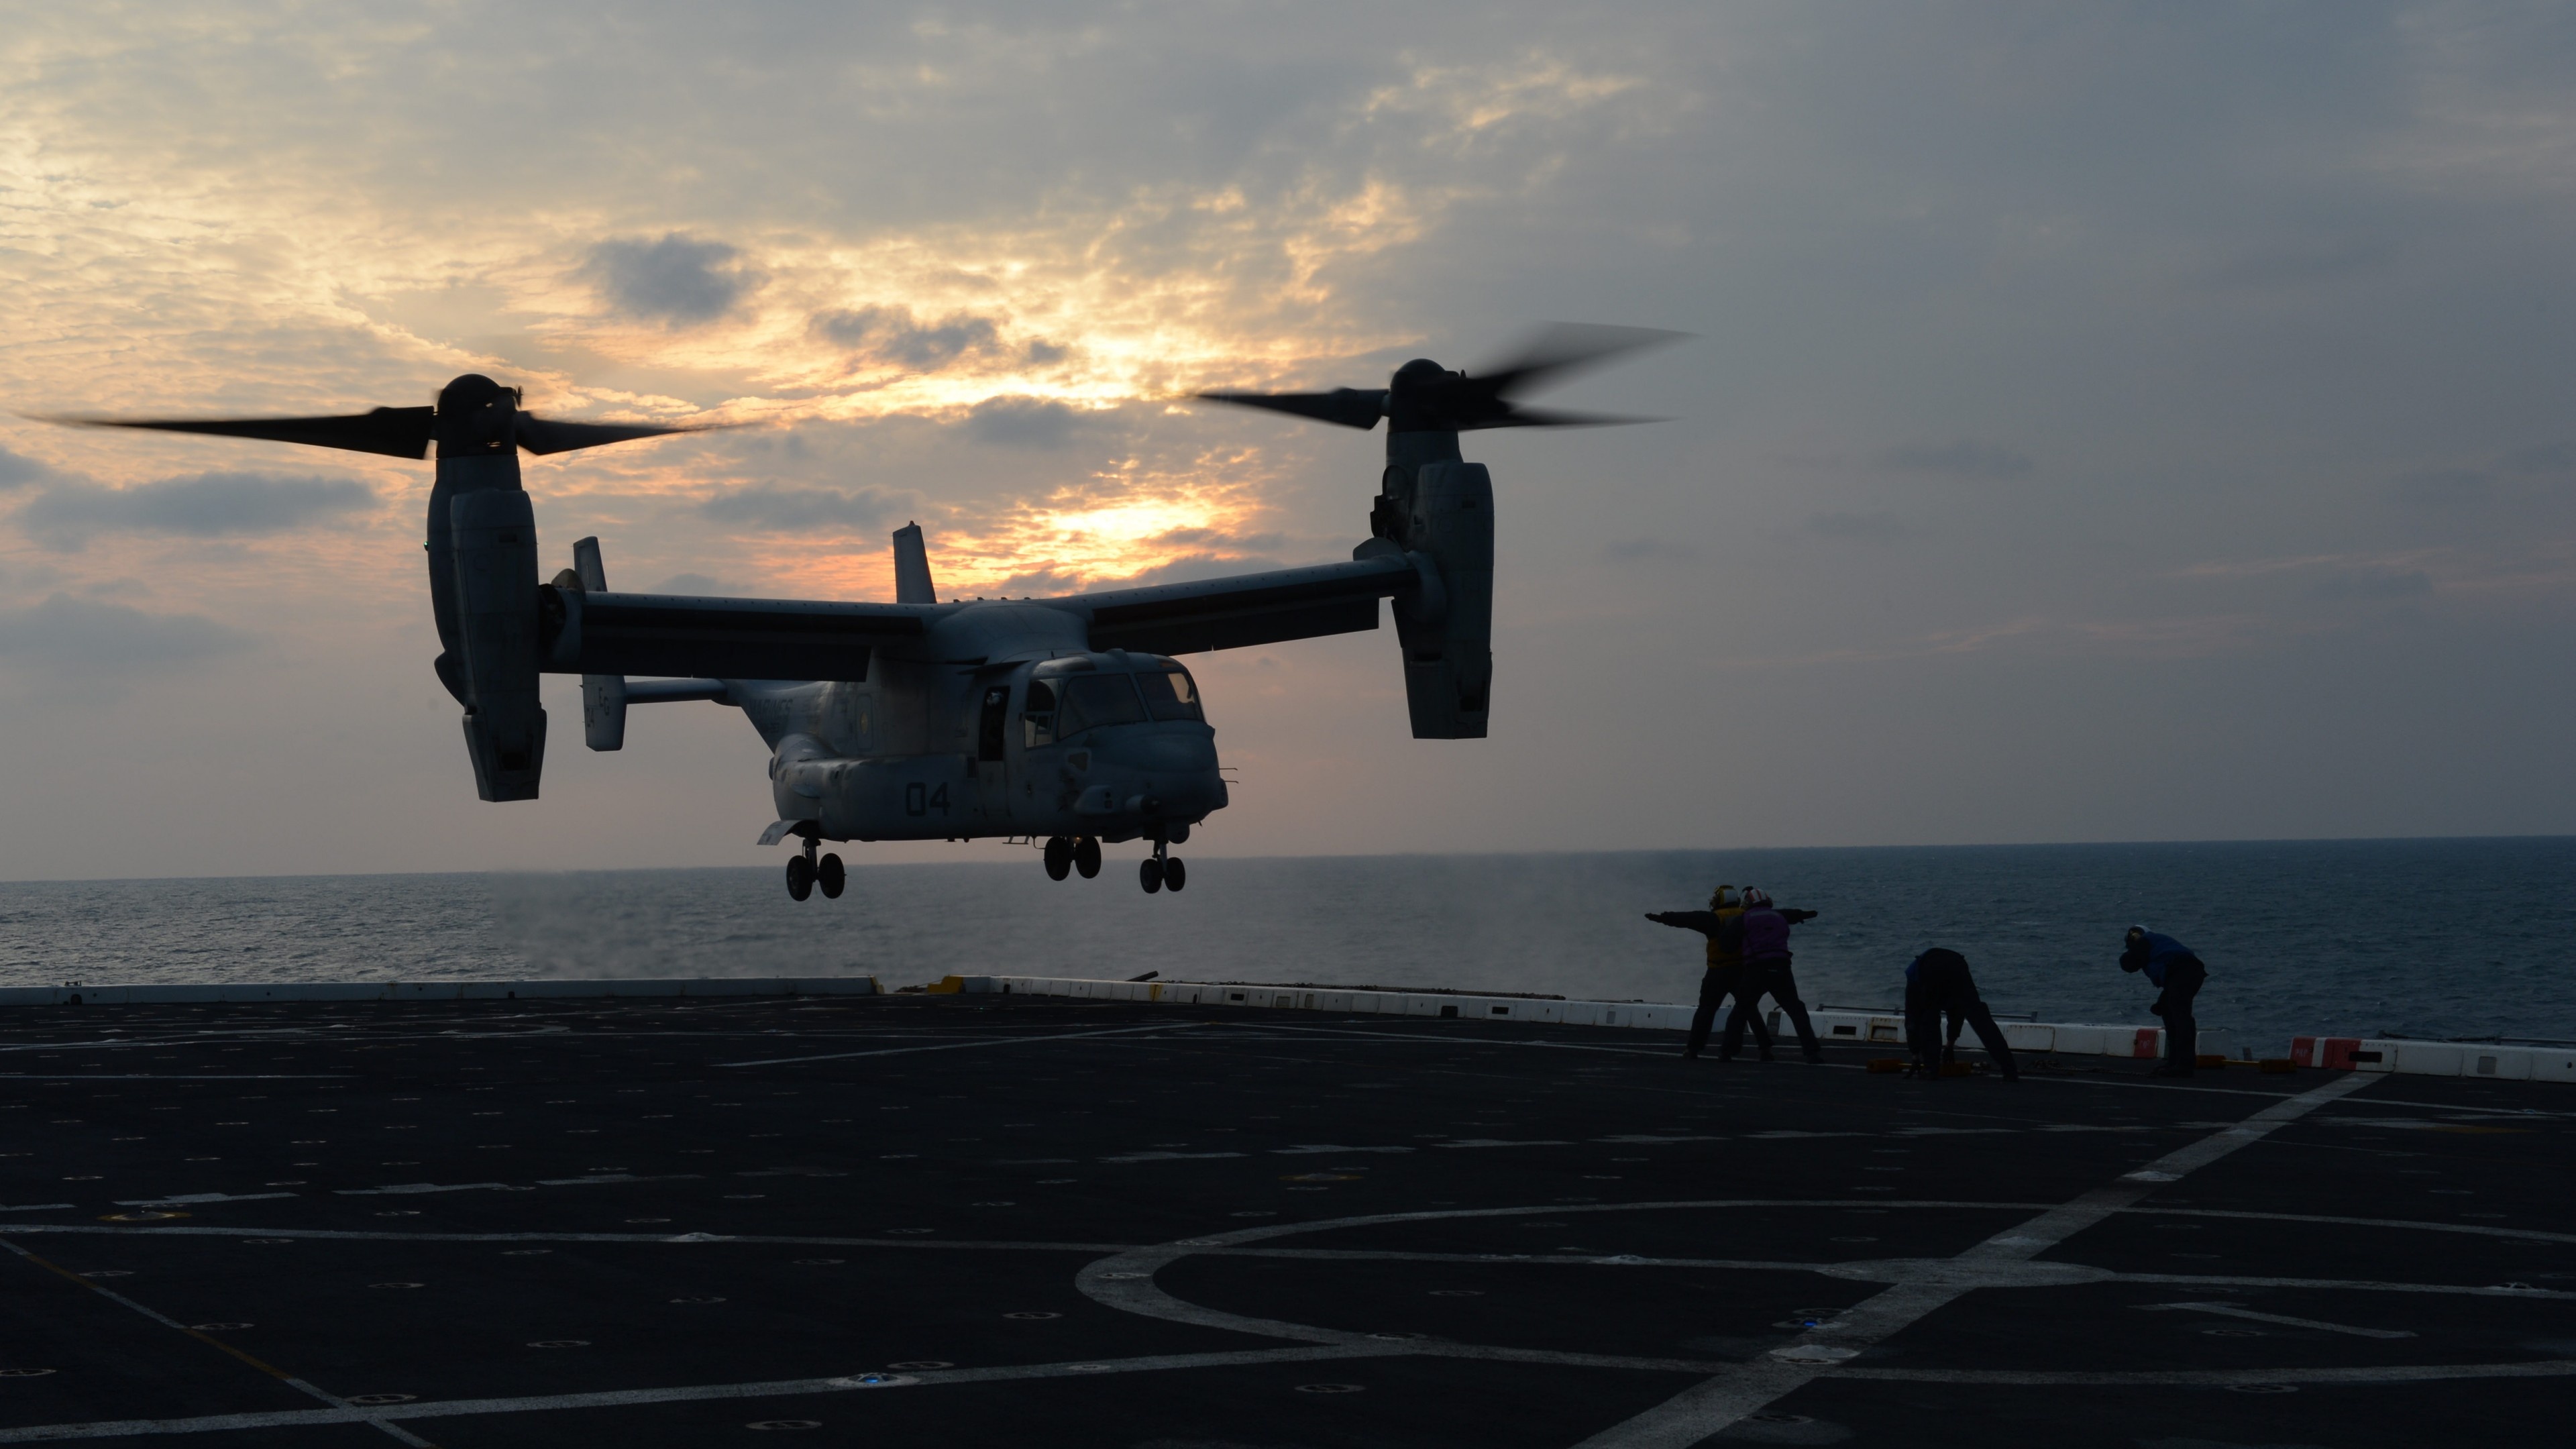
{"x": 493, "y": 533}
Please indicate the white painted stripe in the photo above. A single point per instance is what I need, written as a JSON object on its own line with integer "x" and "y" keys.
{"x": 2230, "y": 1310}
{"x": 1710, "y": 1407}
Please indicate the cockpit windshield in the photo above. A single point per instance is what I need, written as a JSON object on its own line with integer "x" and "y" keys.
{"x": 1170, "y": 694}
{"x": 1092, "y": 700}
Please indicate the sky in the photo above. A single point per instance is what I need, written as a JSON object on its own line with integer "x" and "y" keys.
{"x": 2121, "y": 422}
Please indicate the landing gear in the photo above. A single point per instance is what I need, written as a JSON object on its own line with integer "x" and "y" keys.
{"x": 1160, "y": 870}
{"x": 1059, "y": 857}
{"x": 804, "y": 873}
{"x": 1086, "y": 856}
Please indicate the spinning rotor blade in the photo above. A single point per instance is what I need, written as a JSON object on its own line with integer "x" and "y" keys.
{"x": 542, "y": 435}
{"x": 394, "y": 432}
{"x": 1566, "y": 347}
{"x": 1352, "y": 407}
{"x": 1424, "y": 396}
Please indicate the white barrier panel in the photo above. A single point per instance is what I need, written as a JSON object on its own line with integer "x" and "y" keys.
{"x": 568, "y": 989}
{"x": 1884, "y": 1029}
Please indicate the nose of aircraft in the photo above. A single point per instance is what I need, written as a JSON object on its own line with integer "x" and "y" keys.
{"x": 1175, "y": 770}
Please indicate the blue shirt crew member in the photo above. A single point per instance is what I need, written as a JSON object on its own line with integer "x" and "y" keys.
{"x": 1938, "y": 982}
{"x": 1765, "y": 937}
{"x": 2177, "y": 974}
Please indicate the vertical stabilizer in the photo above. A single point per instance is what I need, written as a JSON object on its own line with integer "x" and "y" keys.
{"x": 912, "y": 568}
{"x": 603, "y": 696}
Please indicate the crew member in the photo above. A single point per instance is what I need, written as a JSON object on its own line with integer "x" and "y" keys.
{"x": 1937, "y": 983}
{"x": 1725, "y": 972}
{"x": 2177, "y": 975}
{"x": 1765, "y": 930}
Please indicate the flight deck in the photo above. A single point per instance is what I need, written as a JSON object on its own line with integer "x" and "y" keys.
{"x": 987, "y": 1219}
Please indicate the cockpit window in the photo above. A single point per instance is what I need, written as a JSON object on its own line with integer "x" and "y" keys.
{"x": 1170, "y": 695}
{"x": 1092, "y": 700}
{"x": 1037, "y": 715}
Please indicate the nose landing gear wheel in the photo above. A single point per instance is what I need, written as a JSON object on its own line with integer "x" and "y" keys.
{"x": 829, "y": 874}
{"x": 1059, "y": 857}
{"x": 1175, "y": 875}
{"x": 800, "y": 877}
{"x": 1149, "y": 871}
{"x": 1086, "y": 856}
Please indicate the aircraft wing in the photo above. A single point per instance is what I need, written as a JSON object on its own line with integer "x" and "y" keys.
{"x": 1250, "y": 609}
{"x": 675, "y": 635}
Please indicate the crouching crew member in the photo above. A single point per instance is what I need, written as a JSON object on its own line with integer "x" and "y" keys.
{"x": 1938, "y": 983}
{"x": 1765, "y": 929}
{"x": 1724, "y": 976}
{"x": 2177, "y": 975}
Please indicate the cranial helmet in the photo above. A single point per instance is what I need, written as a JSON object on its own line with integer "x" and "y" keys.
{"x": 1722, "y": 897}
{"x": 2136, "y": 934}
{"x": 1755, "y": 896}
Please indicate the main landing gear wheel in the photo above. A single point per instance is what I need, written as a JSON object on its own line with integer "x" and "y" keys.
{"x": 1175, "y": 875}
{"x": 1150, "y": 872}
{"x": 800, "y": 877}
{"x": 1086, "y": 856}
{"x": 829, "y": 874}
{"x": 1059, "y": 857}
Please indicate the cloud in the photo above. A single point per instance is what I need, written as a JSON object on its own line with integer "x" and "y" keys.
{"x": 790, "y": 507}
{"x": 890, "y": 334}
{"x": 677, "y": 279}
{"x": 2549, "y": 459}
{"x": 1021, "y": 422}
{"x": 2445, "y": 487}
{"x": 79, "y": 637}
{"x": 1648, "y": 550}
{"x": 698, "y": 586}
{"x": 2375, "y": 584}
{"x": 17, "y": 470}
{"x": 1874, "y": 525}
{"x": 1963, "y": 459}
{"x": 206, "y": 505}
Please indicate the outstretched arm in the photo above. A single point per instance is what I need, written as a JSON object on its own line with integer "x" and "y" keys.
{"x": 1704, "y": 922}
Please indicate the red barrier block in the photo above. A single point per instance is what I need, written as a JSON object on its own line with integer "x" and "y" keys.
{"x": 2303, "y": 1050}
{"x": 2146, "y": 1045}
{"x": 2336, "y": 1052}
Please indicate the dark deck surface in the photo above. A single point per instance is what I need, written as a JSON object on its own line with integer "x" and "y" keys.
{"x": 978, "y": 1220}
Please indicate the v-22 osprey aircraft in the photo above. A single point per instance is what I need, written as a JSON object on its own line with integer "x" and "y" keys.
{"x": 1068, "y": 719}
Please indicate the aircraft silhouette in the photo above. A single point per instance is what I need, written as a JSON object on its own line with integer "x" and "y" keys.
{"x": 1063, "y": 718}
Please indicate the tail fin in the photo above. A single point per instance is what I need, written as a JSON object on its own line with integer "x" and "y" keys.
{"x": 912, "y": 568}
{"x": 603, "y": 696}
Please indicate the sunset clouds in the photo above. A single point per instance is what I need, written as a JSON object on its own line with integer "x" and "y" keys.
{"x": 2024, "y": 338}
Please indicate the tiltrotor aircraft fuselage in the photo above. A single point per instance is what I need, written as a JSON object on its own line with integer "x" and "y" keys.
{"x": 1068, "y": 720}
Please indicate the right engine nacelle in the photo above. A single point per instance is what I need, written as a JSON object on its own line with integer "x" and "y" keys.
{"x": 1447, "y": 632}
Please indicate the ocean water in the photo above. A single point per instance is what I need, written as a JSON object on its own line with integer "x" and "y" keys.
{"x": 2434, "y": 938}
